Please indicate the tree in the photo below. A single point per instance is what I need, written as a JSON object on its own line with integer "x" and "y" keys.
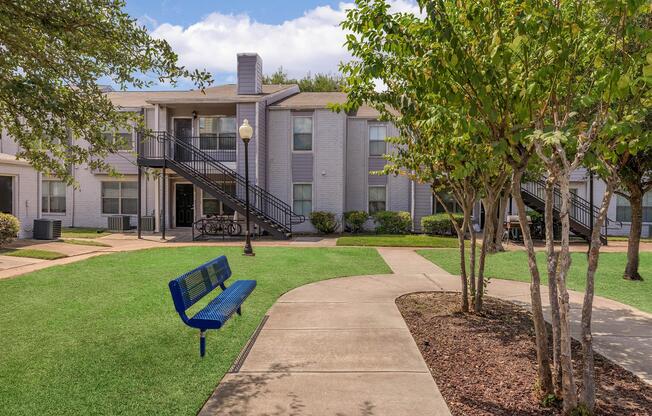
{"x": 309, "y": 83}
{"x": 54, "y": 54}
{"x": 636, "y": 180}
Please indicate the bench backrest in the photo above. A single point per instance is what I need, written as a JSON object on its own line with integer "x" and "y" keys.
{"x": 190, "y": 287}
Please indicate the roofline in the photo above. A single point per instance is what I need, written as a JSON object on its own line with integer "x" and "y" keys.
{"x": 242, "y": 98}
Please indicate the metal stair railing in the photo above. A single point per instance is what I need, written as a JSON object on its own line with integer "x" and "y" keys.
{"x": 212, "y": 174}
{"x": 581, "y": 211}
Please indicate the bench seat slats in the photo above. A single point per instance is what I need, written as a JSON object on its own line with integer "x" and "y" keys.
{"x": 220, "y": 309}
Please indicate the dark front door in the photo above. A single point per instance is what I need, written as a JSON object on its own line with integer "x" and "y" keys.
{"x": 183, "y": 134}
{"x": 6, "y": 195}
{"x": 185, "y": 206}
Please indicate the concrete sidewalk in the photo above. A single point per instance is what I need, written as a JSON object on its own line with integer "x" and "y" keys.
{"x": 336, "y": 347}
{"x": 620, "y": 332}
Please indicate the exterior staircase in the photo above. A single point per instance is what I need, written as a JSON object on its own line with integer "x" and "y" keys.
{"x": 582, "y": 214}
{"x": 207, "y": 171}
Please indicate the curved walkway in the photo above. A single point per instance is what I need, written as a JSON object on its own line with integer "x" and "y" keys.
{"x": 337, "y": 347}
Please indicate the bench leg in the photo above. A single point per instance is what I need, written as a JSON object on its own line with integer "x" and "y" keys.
{"x": 239, "y": 310}
{"x": 202, "y": 343}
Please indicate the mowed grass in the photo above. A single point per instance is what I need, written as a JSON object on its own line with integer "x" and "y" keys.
{"x": 86, "y": 242}
{"x": 397, "y": 241}
{"x": 609, "y": 283}
{"x": 83, "y": 232}
{"x": 101, "y": 336}
{"x": 33, "y": 253}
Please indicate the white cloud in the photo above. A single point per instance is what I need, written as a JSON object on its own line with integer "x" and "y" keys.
{"x": 313, "y": 42}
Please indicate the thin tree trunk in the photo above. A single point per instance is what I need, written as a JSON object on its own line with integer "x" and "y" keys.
{"x": 490, "y": 211}
{"x": 500, "y": 224}
{"x": 472, "y": 269}
{"x": 588, "y": 368}
{"x": 543, "y": 361}
{"x": 552, "y": 286}
{"x": 634, "y": 241}
{"x": 569, "y": 389}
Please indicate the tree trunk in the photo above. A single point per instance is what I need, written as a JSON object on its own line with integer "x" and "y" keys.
{"x": 490, "y": 204}
{"x": 463, "y": 274}
{"x": 588, "y": 368}
{"x": 569, "y": 389}
{"x": 543, "y": 361}
{"x": 500, "y": 224}
{"x": 634, "y": 241}
{"x": 552, "y": 286}
{"x": 474, "y": 239}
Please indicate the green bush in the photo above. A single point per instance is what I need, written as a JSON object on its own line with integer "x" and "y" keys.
{"x": 9, "y": 227}
{"x": 392, "y": 222}
{"x": 324, "y": 222}
{"x": 355, "y": 220}
{"x": 440, "y": 224}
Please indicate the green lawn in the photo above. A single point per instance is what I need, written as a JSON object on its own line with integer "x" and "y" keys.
{"x": 33, "y": 253}
{"x": 86, "y": 242}
{"x": 83, "y": 232}
{"x": 409, "y": 240}
{"x": 512, "y": 265}
{"x": 101, "y": 336}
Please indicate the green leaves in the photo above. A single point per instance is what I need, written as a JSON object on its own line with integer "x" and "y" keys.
{"x": 54, "y": 57}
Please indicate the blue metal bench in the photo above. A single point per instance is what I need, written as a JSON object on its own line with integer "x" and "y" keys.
{"x": 190, "y": 287}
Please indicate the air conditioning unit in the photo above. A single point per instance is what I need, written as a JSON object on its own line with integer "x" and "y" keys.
{"x": 119, "y": 223}
{"x": 46, "y": 229}
{"x": 147, "y": 223}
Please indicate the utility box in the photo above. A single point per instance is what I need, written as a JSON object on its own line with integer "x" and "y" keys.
{"x": 147, "y": 223}
{"x": 119, "y": 223}
{"x": 46, "y": 229}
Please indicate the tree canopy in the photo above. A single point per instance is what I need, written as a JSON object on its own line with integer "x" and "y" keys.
{"x": 309, "y": 83}
{"x": 54, "y": 56}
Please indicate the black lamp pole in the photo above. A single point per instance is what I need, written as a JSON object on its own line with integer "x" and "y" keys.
{"x": 248, "y": 250}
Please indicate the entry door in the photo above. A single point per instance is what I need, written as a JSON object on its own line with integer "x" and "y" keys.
{"x": 182, "y": 133}
{"x": 185, "y": 205}
{"x": 6, "y": 195}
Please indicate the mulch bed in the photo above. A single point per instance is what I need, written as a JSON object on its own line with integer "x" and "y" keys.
{"x": 486, "y": 365}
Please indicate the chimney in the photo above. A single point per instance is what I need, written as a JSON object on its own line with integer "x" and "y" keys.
{"x": 250, "y": 73}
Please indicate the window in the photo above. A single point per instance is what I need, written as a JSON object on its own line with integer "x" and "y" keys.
{"x": 302, "y": 199}
{"x": 53, "y": 197}
{"x": 123, "y": 139}
{"x": 377, "y": 199}
{"x": 624, "y": 209}
{"x": 449, "y": 202}
{"x": 208, "y": 133}
{"x": 6, "y": 195}
{"x": 217, "y": 133}
{"x": 302, "y": 132}
{"x": 377, "y": 145}
{"x": 119, "y": 198}
{"x": 213, "y": 206}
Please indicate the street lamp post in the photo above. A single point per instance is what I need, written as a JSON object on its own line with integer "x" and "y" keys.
{"x": 246, "y": 132}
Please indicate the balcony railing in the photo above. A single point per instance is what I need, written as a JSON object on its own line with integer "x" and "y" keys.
{"x": 221, "y": 148}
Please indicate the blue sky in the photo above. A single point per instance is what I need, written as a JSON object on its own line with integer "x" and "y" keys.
{"x": 301, "y": 36}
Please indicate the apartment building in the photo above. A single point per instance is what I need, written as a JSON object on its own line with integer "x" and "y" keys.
{"x": 303, "y": 157}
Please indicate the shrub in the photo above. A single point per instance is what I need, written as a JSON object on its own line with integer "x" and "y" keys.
{"x": 355, "y": 220}
{"x": 324, "y": 221}
{"x": 440, "y": 224}
{"x": 391, "y": 222}
{"x": 9, "y": 227}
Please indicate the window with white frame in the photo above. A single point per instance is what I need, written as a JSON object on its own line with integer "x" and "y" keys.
{"x": 624, "y": 208}
{"x": 302, "y": 133}
{"x": 217, "y": 133}
{"x": 377, "y": 199}
{"x": 123, "y": 139}
{"x": 377, "y": 135}
{"x": 53, "y": 197}
{"x": 213, "y": 206}
{"x": 119, "y": 198}
{"x": 302, "y": 198}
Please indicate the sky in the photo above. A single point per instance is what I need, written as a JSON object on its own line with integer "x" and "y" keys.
{"x": 301, "y": 36}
